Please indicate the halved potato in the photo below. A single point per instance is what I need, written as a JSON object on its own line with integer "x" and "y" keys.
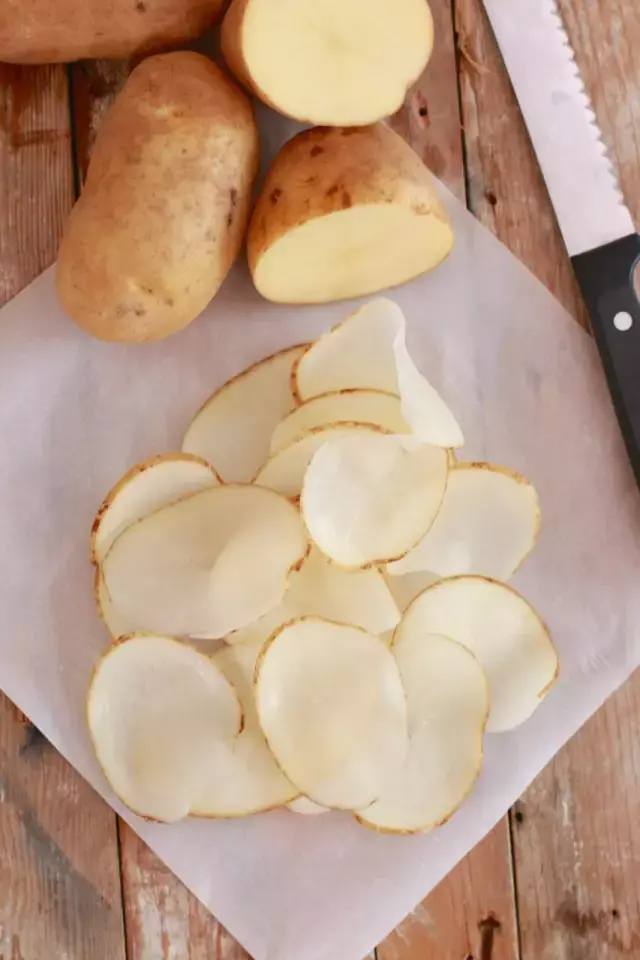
{"x": 156, "y": 708}
{"x": 235, "y": 425}
{"x": 345, "y": 212}
{"x": 330, "y": 64}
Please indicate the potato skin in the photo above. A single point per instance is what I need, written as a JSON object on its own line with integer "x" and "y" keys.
{"x": 54, "y": 31}
{"x": 327, "y": 169}
{"x": 164, "y": 210}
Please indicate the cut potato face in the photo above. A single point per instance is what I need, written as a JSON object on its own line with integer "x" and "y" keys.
{"x": 487, "y": 525}
{"x": 321, "y": 589}
{"x": 369, "y": 498}
{"x": 332, "y": 707}
{"x": 235, "y": 425}
{"x": 368, "y": 351}
{"x": 448, "y": 705}
{"x": 207, "y": 565}
{"x": 155, "y": 708}
{"x": 326, "y": 63}
{"x": 145, "y": 488}
{"x": 503, "y": 632}
{"x": 242, "y": 777}
{"x": 306, "y": 807}
{"x": 115, "y": 624}
{"x": 343, "y": 406}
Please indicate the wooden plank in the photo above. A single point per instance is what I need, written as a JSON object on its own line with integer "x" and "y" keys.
{"x": 59, "y": 881}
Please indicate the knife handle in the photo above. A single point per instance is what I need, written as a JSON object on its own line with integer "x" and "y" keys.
{"x": 606, "y": 279}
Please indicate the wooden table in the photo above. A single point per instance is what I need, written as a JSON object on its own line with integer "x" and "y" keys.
{"x": 559, "y": 879}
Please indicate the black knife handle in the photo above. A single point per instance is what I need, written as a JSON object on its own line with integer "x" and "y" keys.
{"x": 606, "y": 278}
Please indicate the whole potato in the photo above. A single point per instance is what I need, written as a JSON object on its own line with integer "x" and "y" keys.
{"x": 53, "y": 31}
{"x": 165, "y": 207}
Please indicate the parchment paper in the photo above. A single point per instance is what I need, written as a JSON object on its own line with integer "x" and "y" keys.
{"x": 527, "y": 387}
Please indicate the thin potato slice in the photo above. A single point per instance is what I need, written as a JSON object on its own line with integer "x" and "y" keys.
{"x": 306, "y": 807}
{"x": 369, "y": 499}
{"x": 487, "y": 525}
{"x": 115, "y": 624}
{"x": 155, "y": 709}
{"x": 144, "y": 489}
{"x": 242, "y": 777}
{"x": 502, "y": 630}
{"x": 332, "y": 707}
{"x": 448, "y": 705}
{"x": 234, "y": 427}
{"x": 368, "y": 351}
{"x": 207, "y": 565}
{"x": 405, "y": 588}
{"x": 342, "y": 406}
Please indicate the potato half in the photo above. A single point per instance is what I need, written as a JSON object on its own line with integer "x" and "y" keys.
{"x": 164, "y": 210}
{"x": 343, "y": 213}
{"x": 328, "y": 62}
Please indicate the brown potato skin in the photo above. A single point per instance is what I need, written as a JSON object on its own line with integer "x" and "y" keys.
{"x": 54, "y": 31}
{"x": 327, "y": 169}
{"x": 164, "y": 210}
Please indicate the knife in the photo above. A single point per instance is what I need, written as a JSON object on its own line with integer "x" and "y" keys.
{"x": 597, "y": 227}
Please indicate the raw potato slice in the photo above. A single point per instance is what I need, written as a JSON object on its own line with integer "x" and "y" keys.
{"x": 502, "y": 630}
{"x": 343, "y": 213}
{"x": 156, "y": 707}
{"x": 405, "y": 588}
{"x": 115, "y": 624}
{"x": 332, "y": 707}
{"x": 306, "y": 807}
{"x": 144, "y": 489}
{"x": 343, "y": 406}
{"x": 284, "y": 471}
{"x": 368, "y": 351}
{"x": 369, "y": 498}
{"x": 488, "y": 524}
{"x": 329, "y": 64}
{"x": 242, "y": 777}
{"x": 207, "y": 565}
{"x": 360, "y": 598}
{"x": 448, "y": 705}
{"x": 235, "y": 425}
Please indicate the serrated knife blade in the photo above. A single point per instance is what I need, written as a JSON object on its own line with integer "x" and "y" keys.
{"x": 597, "y": 227}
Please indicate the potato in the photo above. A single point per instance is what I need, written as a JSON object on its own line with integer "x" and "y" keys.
{"x": 325, "y": 62}
{"x": 164, "y": 211}
{"x": 52, "y": 31}
{"x": 345, "y": 212}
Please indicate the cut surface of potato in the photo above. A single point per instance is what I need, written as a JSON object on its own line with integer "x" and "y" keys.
{"x": 327, "y": 63}
{"x": 448, "y": 705}
{"x": 284, "y": 471}
{"x": 487, "y": 525}
{"x": 236, "y": 424}
{"x": 368, "y": 351}
{"x": 242, "y": 777}
{"x": 322, "y": 589}
{"x": 144, "y": 489}
{"x": 369, "y": 498}
{"x": 504, "y": 633}
{"x": 343, "y": 213}
{"x": 332, "y": 707}
{"x": 342, "y": 406}
{"x": 207, "y": 565}
{"x": 155, "y": 708}
{"x": 406, "y": 587}
{"x": 306, "y": 807}
{"x": 116, "y": 625}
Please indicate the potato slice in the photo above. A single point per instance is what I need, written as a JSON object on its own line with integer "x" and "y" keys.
{"x": 235, "y": 425}
{"x": 332, "y": 707}
{"x": 406, "y": 587}
{"x": 284, "y": 471}
{"x": 342, "y": 406}
{"x": 155, "y": 708}
{"x": 321, "y": 589}
{"x": 115, "y": 624}
{"x": 207, "y": 565}
{"x": 488, "y": 524}
{"x": 448, "y": 705}
{"x": 306, "y": 807}
{"x": 345, "y": 212}
{"x": 368, "y": 351}
{"x": 502, "y": 630}
{"x": 145, "y": 488}
{"x": 369, "y": 498}
{"x": 242, "y": 776}
{"x": 322, "y": 64}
